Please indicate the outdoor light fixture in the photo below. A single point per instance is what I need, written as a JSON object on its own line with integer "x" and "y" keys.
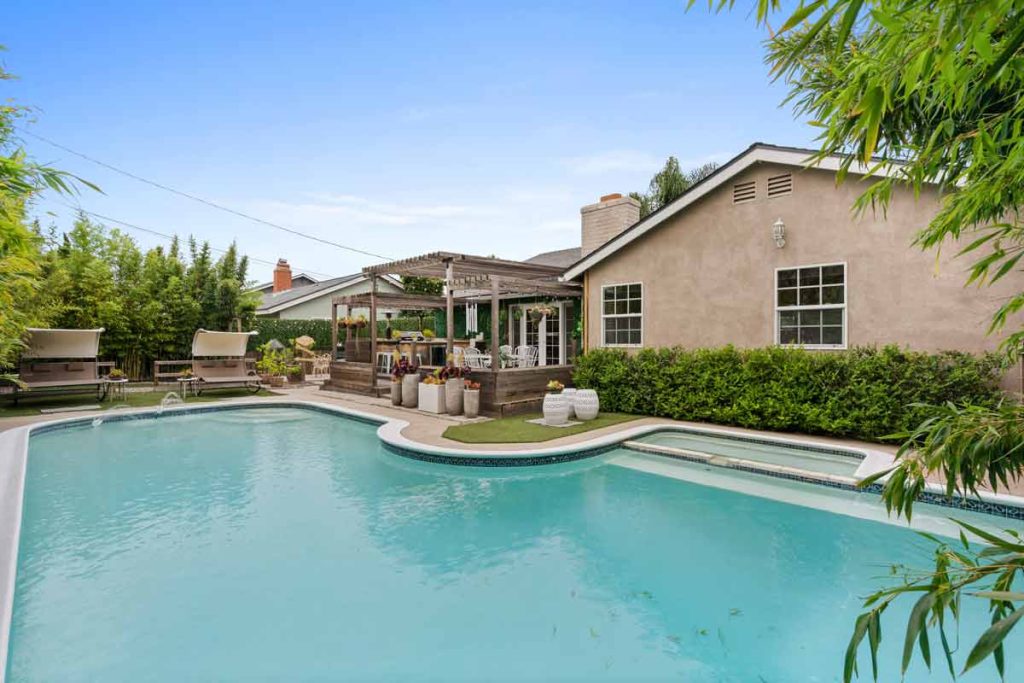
{"x": 779, "y": 233}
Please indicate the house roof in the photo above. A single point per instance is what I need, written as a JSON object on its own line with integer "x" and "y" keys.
{"x": 562, "y": 258}
{"x": 275, "y": 303}
{"x": 310, "y": 280}
{"x": 759, "y": 152}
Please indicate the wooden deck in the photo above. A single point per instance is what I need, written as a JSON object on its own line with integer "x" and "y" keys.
{"x": 506, "y": 392}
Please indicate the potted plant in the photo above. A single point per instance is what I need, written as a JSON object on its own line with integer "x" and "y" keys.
{"x": 431, "y": 393}
{"x": 296, "y": 374}
{"x": 428, "y": 334}
{"x": 471, "y": 398}
{"x": 117, "y": 374}
{"x": 186, "y": 373}
{"x": 453, "y": 378}
{"x": 408, "y": 374}
{"x": 556, "y": 404}
{"x": 272, "y": 366}
{"x": 396, "y": 335}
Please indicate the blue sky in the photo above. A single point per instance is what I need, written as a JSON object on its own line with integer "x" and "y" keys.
{"x": 398, "y": 127}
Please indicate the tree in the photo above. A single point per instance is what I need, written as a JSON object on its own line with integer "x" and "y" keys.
{"x": 934, "y": 85}
{"x": 669, "y": 184}
{"x": 21, "y": 181}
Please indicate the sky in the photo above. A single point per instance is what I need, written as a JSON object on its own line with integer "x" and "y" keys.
{"x": 397, "y": 128}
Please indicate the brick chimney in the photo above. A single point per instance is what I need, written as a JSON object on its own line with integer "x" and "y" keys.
{"x": 282, "y": 276}
{"x": 602, "y": 221}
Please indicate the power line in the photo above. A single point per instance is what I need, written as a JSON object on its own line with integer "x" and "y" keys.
{"x": 172, "y": 237}
{"x": 201, "y": 200}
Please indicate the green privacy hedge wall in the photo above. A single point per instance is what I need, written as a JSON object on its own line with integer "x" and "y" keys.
{"x": 865, "y": 393}
{"x": 320, "y": 330}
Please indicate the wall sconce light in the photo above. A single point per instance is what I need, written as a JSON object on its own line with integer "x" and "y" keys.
{"x": 779, "y": 233}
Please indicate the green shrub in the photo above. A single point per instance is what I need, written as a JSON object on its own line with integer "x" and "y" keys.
{"x": 865, "y": 393}
{"x": 286, "y": 330}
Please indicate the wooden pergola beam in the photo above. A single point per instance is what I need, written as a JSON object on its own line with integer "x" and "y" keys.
{"x": 435, "y": 264}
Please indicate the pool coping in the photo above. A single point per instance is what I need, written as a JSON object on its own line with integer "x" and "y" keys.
{"x": 14, "y": 457}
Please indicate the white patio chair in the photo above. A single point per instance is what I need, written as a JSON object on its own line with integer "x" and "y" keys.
{"x": 507, "y": 355}
{"x": 458, "y": 356}
{"x": 384, "y": 362}
{"x": 474, "y": 358}
{"x": 527, "y": 356}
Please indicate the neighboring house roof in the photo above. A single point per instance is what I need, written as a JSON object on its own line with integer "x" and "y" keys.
{"x": 758, "y": 152}
{"x": 300, "y": 280}
{"x": 562, "y": 258}
{"x": 275, "y": 303}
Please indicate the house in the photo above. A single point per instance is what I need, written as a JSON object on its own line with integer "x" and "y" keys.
{"x": 767, "y": 251}
{"x": 303, "y": 297}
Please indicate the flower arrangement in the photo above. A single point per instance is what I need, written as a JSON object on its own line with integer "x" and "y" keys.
{"x": 396, "y": 335}
{"x": 452, "y": 371}
{"x": 539, "y": 311}
{"x": 554, "y": 386}
{"x": 347, "y": 321}
{"x": 361, "y": 322}
{"x": 428, "y": 334}
{"x": 116, "y": 373}
{"x": 401, "y": 368}
{"x": 184, "y": 374}
{"x": 472, "y": 386}
{"x": 434, "y": 378}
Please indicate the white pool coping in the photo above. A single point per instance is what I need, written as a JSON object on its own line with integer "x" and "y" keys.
{"x": 14, "y": 457}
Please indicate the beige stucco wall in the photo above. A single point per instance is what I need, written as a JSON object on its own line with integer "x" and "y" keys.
{"x": 708, "y": 273}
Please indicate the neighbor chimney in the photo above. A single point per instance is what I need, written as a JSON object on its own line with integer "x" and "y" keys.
{"x": 282, "y": 276}
{"x": 606, "y": 219}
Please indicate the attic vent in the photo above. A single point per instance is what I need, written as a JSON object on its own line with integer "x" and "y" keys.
{"x": 779, "y": 185}
{"x": 744, "y": 192}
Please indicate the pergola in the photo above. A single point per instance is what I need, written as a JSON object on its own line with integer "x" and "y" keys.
{"x": 467, "y": 278}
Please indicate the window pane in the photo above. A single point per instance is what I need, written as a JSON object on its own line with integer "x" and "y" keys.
{"x": 621, "y": 307}
{"x": 832, "y": 275}
{"x": 810, "y": 335}
{"x": 810, "y": 276}
{"x": 609, "y": 337}
{"x": 787, "y": 278}
{"x": 634, "y": 291}
{"x": 634, "y": 305}
{"x": 832, "y": 335}
{"x": 634, "y": 337}
{"x": 787, "y": 335}
{"x": 809, "y": 297}
{"x": 611, "y": 324}
{"x": 609, "y": 307}
{"x": 787, "y": 297}
{"x": 832, "y": 295}
{"x": 810, "y": 318}
{"x": 609, "y": 293}
{"x": 787, "y": 318}
{"x": 832, "y": 316}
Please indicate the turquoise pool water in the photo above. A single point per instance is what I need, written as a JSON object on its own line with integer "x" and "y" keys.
{"x": 286, "y": 544}
{"x": 773, "y": 454}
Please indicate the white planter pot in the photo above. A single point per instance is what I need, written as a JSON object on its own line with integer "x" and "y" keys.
{"x": 586, "y": 404}
{"x": 471, "y": 402}
{"x": 570, "y": 398}
{"x": 409, "y": 392}
{"x": 396, "y": 393}
{"x": 453, "y": 389}
{"x": 556, "y": 409}
{"x": 431, "y": 398}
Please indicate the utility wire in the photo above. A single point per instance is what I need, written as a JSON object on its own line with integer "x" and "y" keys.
{"x": 172, "y": 237}
{"x": 201, "y": 200}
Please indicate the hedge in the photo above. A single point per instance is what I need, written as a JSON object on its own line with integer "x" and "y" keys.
{"x": 865, "y": 393}
{"x": 320, "y": 330}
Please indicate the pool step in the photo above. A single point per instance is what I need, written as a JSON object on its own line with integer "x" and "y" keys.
{"x": 736, "y": 463}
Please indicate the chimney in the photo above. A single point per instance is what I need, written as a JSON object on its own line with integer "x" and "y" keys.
{"x": 606, "y": 219}
{"x": 282, "y": 276}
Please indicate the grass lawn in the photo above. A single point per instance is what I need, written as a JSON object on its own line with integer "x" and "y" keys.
{"x": 31, "y": 406}
{"x": 518, "y": 430}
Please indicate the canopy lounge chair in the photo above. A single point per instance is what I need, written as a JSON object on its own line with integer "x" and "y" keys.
{"x": 60, "y": 361}
{"x": 218, "y": 361}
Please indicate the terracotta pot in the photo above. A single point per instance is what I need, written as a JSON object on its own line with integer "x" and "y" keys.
{"x": 410, "y": 393}
{"x": 396, "y": 393}
{"x": 471, "y": 402}
{"x": 453, "y": 389}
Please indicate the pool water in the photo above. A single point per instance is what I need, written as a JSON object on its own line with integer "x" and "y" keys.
{"x": 769, "y": 453}
{"x": 287, "y": 544}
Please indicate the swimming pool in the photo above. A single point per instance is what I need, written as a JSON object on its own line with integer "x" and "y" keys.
{"x": 833, "y": 461}
{"x": 285, "y": 543}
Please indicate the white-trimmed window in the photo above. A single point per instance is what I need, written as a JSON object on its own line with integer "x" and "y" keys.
{"x": 622, "y": 315}
{"x": 810, "y": 306}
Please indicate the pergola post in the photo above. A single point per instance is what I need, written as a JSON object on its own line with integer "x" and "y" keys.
{"x": 449, "y": 285}
{"x": 334, "y": 331}
{"x": 495, "y": 339}
{"x": 373, "y": 332}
